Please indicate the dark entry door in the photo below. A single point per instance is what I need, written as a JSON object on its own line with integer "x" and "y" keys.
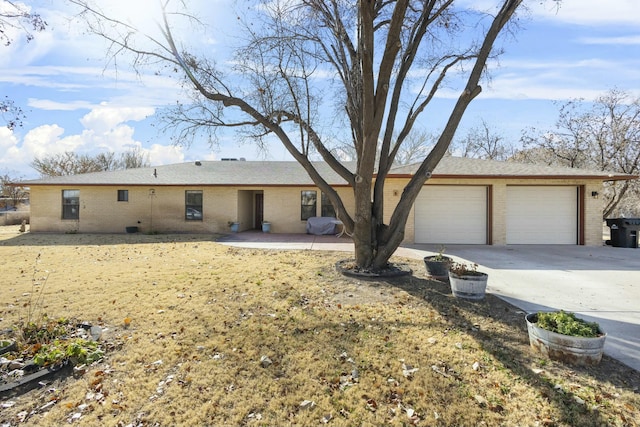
{"x": 259, "y": 213}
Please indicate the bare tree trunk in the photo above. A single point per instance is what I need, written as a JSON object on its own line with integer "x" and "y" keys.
{"x": 371, "y": 47}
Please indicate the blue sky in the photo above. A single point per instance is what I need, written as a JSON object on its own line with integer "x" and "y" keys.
{"x": 75, "y": 102}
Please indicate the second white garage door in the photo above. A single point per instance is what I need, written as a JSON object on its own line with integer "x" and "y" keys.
{"x": 449, "y": 214}
{"x": 542, "y": 215}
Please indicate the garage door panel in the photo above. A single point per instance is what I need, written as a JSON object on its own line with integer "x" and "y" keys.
{"x": 542, "y": 215}
{"x": 451, "y": 215}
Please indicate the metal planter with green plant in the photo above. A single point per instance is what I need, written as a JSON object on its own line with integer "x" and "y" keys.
{"x": 562, "y": 336}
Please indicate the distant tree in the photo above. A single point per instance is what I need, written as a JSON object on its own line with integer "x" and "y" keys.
{"x": 416, "y": 147}
{"x": 133, "y": 159}
{"x": 482, "y": 142}
{"x": 16, "y": 17}
{"x": 603, "y": 135}
{"x": 381, "y": 62}
{"x": 12, "y": 195}
{"x": 70, "y": 163}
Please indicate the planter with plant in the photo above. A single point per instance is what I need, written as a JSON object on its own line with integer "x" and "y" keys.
{"x": 234, "y": 226}
{"x": 438, "y": 266}
{"x": 467, "y": 282}
{"x": 562, "y": 336}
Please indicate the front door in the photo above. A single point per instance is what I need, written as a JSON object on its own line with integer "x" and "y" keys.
{"x": 259, "y": 210}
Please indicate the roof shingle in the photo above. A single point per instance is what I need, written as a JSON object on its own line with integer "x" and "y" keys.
{"x": 270, "y": 173}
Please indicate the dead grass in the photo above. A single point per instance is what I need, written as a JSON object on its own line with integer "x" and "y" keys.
{"x": 367, "y": 353}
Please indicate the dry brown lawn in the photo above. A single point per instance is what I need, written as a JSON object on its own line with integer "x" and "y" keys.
{"x": 228, "y": 336}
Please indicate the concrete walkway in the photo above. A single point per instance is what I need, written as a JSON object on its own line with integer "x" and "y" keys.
{"x": 599, "y": 283}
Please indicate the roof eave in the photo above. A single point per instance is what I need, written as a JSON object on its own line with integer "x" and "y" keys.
{"x": 517, "y": 176}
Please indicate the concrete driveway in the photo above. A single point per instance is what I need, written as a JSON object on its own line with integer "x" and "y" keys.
{"x": 599, "y": 283}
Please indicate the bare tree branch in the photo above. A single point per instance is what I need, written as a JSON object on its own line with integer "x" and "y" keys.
{"x": 367, "y": 57}
{"x": 603, "y": 135}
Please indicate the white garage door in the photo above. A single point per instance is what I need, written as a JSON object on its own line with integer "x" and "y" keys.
{"x": 451, "y": 214}
{"x": 542, "y": 215}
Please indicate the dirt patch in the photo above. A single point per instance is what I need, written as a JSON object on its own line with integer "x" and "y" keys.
{"x": 227, "y": 336}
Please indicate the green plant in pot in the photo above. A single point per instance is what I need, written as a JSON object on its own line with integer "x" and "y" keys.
{"x": 563, "y": 336}
{"x": 466, "y": 281}
{"x": 438, "y": 265}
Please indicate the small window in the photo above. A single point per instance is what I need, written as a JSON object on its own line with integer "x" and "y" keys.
{"x": 123, "y": 195}
{"x": 327, "y": 208}
{"x": 70, "y": 204}
{"x": 308, "y": 205}
{"x": 193, "y": 205}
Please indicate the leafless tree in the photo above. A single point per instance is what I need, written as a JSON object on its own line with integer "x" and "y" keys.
{"x": 133, "y": 159}
{"x": 603, "y": 135}
{"x": 484, "y": 143}
{"x": 416, "y": 147}
{"x": 12, "y": 194}
{"x": 16, "y": 17}
{"x": 381, "y": 61}
{"x": 70, "y": 163}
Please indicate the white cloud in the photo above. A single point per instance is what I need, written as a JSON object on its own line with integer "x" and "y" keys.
{"x": 581, "y": 12}
{"x": 622, "y": 40}
{"x": 515, "y": 87}
{"x": 588, "y": 12}
{"x": 165, "y": 154}
{"x": 587, "y": 78}
{"x": 47, "y": 104}
{"x": 105, "y": 130}
{"x": 47, "y": 139}
{"x": 8, "y": 146}
{"x": 117, "y": 87}
{"x": 104, "y": 118}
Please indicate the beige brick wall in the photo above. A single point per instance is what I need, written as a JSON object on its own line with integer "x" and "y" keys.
{"x": 282, "y": 207}
{"x": 161, "y": 211}
{"x": 164, "y": 210}
{"x": 593, "y": 209}
{"x": 592, "y": 206}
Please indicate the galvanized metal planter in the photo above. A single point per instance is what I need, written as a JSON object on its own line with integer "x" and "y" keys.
{"x": 471, "y": 286}
{"x": 564, "y": 348}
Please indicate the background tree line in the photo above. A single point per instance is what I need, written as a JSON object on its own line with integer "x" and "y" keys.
{"x": 70, "y": 163}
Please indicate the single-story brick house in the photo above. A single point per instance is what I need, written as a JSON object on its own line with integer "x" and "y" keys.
{"x": 467, "y": 201}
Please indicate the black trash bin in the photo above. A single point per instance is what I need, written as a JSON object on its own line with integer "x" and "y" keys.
{"x": 624, "y": 232}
